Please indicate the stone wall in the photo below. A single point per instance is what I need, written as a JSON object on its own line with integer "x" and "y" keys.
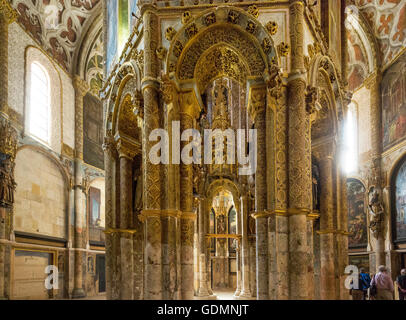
{"x": 40, "y": 198}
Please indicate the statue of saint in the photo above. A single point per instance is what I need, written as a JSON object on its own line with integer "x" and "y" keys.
{"x": 376, "y": 212}
{"x": 7, "y": 183}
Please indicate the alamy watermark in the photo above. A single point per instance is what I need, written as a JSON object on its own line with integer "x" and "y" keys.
{"x": 241, "y": 147}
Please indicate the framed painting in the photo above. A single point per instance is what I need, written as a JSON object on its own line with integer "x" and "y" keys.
{"x": 357, "y": 214}
{"x": 399, "y": 203}
{"x": 393, "y": 88}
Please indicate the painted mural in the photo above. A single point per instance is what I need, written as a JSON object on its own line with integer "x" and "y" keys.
{"x": 93, "y": 131}
{"x": 357, "y": 218}
{"x": 112, "y": 31}
{"x": 394, "y": 103}
{"x": 400, "y": 204}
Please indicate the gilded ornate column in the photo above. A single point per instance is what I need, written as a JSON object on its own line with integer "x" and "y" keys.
{"x": 203, "y": 215}
{"x": 8, "y": 150}
{"x": 257, "y": 111}
{"x": 108, "y": 148}
{"x": 327, "y": 268}
{"x": 378, "y": 214}
{"x": 188, "y": 216}
{"x": 245, "y": 292}
{"x": 299, "y": 166}
{"x": 81, "y": 88}
{"x": 7, "y": 16}
{"x": 151, "y": 214}
{"x": 8, "y": 145}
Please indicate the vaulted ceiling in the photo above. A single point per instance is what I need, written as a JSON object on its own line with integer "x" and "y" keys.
{"x": 57, "y": 25}
{"x": 387, "y": 19}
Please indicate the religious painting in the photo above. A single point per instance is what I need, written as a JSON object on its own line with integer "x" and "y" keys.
{"x": 112, "y": 32}
{"x": 361, "y": 261}
{"x": 393, "y": 88}
{"x": 93, "y": 131}
{"x": 357, "y": 216}
{"x": 399, "y": 216}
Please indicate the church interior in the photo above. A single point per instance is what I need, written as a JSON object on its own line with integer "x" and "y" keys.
{"x": 87, "y": 85}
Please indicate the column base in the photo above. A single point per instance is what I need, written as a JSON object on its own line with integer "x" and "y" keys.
{"x": 246, "y": 294}
{"x": 237, "y": 293}
{"x": 208, "y": 297}
{"x": 78, "y": 293}
{"x": 202, "y": 292}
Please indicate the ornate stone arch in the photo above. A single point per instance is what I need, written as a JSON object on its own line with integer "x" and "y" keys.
{"x": 219, "y": 184}
{"x": 238, "y": 45}
{"x": 90, "y": 32}
{"x": 324, "y": 77}
{"x": 364, "y": 53}
{"x": 127, "y": 72}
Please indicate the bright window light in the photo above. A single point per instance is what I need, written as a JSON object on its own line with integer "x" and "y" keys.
{"x": 350, "y": 152}
{"x": 39, "y": 103}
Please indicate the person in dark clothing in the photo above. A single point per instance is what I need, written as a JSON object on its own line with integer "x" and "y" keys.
{"x": 360, "y": 292}
{"x": 401, "y": 281}
{"x": 364, "y": 282}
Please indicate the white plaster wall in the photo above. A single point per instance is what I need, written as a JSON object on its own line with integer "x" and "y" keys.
{"x": 100, "y": 184}
{"x": 40, "y": 197}
{"x": 64, "y": 119}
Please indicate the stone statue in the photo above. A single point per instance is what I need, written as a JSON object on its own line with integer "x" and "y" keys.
{"x": 376, "y": 212}
{"x": 7, "y": 183}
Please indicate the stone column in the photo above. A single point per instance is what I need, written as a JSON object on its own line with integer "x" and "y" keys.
{"x": 203, "y": 215}
{"x": 208, "y": 252}
{"x": 188, "y": 217}
{"x": 151, "y": 214}
{"x": 7, "y": 16}
{"x": 108, "y": 148}
{"x": 245, "y": 292}
{"x": 299, "y": 166}
{"x": 372, "y": 84}
{"x": 126, "y": 156}
{"x": 81, "y": 88}
{"x": 327, "y": 269}
{"x": 238, "y": 254}
{"x": 257, "y": 111}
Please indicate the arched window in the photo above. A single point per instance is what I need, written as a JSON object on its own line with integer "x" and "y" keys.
{"x": 350, "y": 155}
{"x": 399, "y": 201}
{"x": 39, "y": 103}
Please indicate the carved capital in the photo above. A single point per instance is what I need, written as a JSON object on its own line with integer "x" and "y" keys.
{"x": 127, "y": 149}
{"x": 108, "y": 144}
{"x": 168, "y": 90}
{"x": 274, "y": 83}
{"x": 7, "y": 11}
{"x": 257, "y": 102}
{"x": 81, "y": 86}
